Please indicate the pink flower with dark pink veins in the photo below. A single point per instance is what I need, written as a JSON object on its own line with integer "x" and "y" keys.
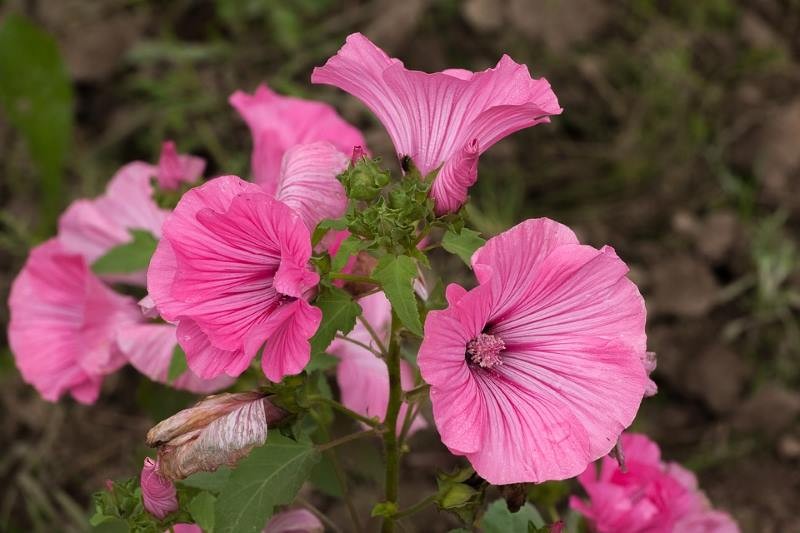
{"x": 63, "y": 324}
{"x": 648, "y": 496}
{"x": 232, "y": 271}
{"x": 158, "y": 493}
{"x": 443, "y": 120}
{"x": 536, "y": 371}
{"x": 277, "y": 123}
{"x": 362, "y": 376}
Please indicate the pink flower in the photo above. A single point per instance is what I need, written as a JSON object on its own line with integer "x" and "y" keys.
{"x": 63, "y": 324}
{"x": 445, "y": 119}
{"x": 174, "y": 168}
{"x": 149, "y": 347}
{"x": 362, "y": 376}
{"x": 277, "y": 123}
{"x": 232, "y": 270}
{"x": 536, "y": 371}
{"x": 184, "y": 528}
{"x": 158, "y": 493}
{"x": 650, "y": 496}
{"x": 294, "y": 521}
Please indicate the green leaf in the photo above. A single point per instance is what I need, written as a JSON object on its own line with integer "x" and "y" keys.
{"x": 324, "y": 478}
{"x": 37, "y": 96}
{"x": 396, "y": 275}
{"x": 130, "y": 257}
{"x": 177, "y": 365}
{"x": 111, "y": 525}
{"x": 349, "y": 247}
{"x": 385, "y": 509}
{"x": 339, "y": 312}
{"x": 271, "y": 475}
{"x": 462, "y": 244}
{"x": 211, "y": 481}
{"x": 498, "y": 519}
{"x": 321, "y": 361}
{"x": 202, "y": 510}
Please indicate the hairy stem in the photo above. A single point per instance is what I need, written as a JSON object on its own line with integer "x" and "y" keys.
{"x": 345, "y": 439}
{"x": 375, "y": 352}
{"x": 372, "y": 422}
{"x": 373, "y": 334}
{"x": 391, "y": 444}
{"x": 420, "y": 505}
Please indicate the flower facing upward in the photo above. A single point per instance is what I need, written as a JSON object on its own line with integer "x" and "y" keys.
{"x": 232, "y": 270}
{"x": 445, "y": 119}
{"x": 536, "y": 371}
{"x": 277, "y": 123}
{"x": 649, "y": 496}
{"x": 63, "y": 324}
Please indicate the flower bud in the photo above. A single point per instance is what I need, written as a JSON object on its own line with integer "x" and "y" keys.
{"x": 218, "y": 430}
{"x": 158, "y": 493}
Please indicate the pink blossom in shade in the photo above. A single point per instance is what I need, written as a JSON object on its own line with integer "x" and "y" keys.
{"x": 294, "y": 521}
{"x": 232, "y": 271}
{"x": 158, "y": 493}
{"x": 278, "y": 123}
{"x": 63, "y": 323}
{"x": 150, "y": 348}
{"x": 174, "y": 168}
{"x": 649, "y": 496}
{"x": 536, "y": 371}
{"x": 443, "y": 120}
{"x": 362, "y": 376}
{"x": 184, "y": 528}
{"x": 308, "y": 182}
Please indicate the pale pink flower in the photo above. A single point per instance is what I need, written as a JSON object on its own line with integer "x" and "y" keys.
{"x": 158, "y": 493}
{"x": 232, "y": 270}
{"x": 649, "y": 496}
{"x": 149, "y": 348}
{"x": 277, "y": 123}
{"x": 362, "y": 376}
{"x": 536, "y": 371}
{"x": 294, "y": 521}
{"x": 445, "y": 119}
{"x": 63, "y": 324}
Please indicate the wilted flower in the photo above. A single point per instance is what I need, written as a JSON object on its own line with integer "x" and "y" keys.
{"x": 277, "y": 123}
{"x": 536, "y": 371}
{"x": 648, "y": 496}
{"x": 362, "y": 376}
{"x": 218, "y": 430}
{"x": 443, "y": 120}
{"x": 64, "y": 321}
{"x": 158, "y": 493}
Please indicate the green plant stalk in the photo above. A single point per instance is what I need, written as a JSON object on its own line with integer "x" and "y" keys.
{"x": 390, "y": 440}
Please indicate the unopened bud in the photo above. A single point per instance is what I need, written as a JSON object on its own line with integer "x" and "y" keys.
{"x": 218, "y": 430}
{"x": 358, "y": 154}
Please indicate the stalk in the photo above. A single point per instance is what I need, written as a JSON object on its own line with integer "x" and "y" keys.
{"x": 390, "y": 441}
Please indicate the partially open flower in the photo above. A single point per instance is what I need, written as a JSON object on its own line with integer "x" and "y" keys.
{"x": 218, "y": 430}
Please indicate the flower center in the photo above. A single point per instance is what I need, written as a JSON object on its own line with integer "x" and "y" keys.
{"x": 484, "y": 350}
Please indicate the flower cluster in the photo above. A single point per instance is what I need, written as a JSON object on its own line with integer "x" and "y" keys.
{"x": 533, "y": 371}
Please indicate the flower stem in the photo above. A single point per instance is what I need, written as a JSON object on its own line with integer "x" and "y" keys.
{"x": 354, "y": 277}
{"x": 391, "y": 444}
{"x": 420, "y": 505}
{"x": 375, "y": 352}
{"x": 347, "y": 438}
{"x": 373, "y": 334}
{"x": 372, "y": 422}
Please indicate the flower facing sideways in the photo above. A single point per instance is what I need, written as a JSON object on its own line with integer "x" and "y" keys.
{"x": 536, "y": 371}
{"x": 648, "y": 496}
{"x": 232, "y": 270}
{"x": 443, "y": 120}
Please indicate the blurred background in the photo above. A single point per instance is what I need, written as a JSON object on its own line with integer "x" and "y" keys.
{"x": 679, "y": 145}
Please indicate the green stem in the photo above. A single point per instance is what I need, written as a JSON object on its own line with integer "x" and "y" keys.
{"x": 372, "y": 422}
{"x": 391, "y": 444}
{"x": 373, "y": 334}
{"x": 375, "y": 352}
{"x": 353, "y": 277}
{"x": 343, "y": 440}
{"x": 420, "y": 505}
{"x": 341, "y": 478}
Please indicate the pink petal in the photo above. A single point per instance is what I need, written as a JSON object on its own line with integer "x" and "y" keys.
{"x": 150, "y": 347}
{"x": 308, "y": 182}
{"x": 278, "y": 123}
{"x": 436, "y": 118}
{"x": 206, "y": 360}
{"x": 184, "y": 528}
{"x": 158, "y": 493}
{"x": 294, "y": 521}
{"x": 63, "y": 324}
{"x": 175, "y": 168}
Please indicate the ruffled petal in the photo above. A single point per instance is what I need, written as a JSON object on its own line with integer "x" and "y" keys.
{"x": 308, "y": 182}
{"x": 206, "y": 360}
{"x": 278, "y": 123}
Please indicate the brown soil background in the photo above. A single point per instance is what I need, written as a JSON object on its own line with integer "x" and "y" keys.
{"x": 679, "y": 145}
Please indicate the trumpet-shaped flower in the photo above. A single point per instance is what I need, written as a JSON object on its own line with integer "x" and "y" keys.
{"x": 232, "y": 270}
{"x": 277, "y": 123}
{"x": 443, "y": 120}
{"x": 536, "y": 371}
{"x": 362, "y": 376}
{"x": 63, "y": 324}
{"x": 648, "y": 496}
